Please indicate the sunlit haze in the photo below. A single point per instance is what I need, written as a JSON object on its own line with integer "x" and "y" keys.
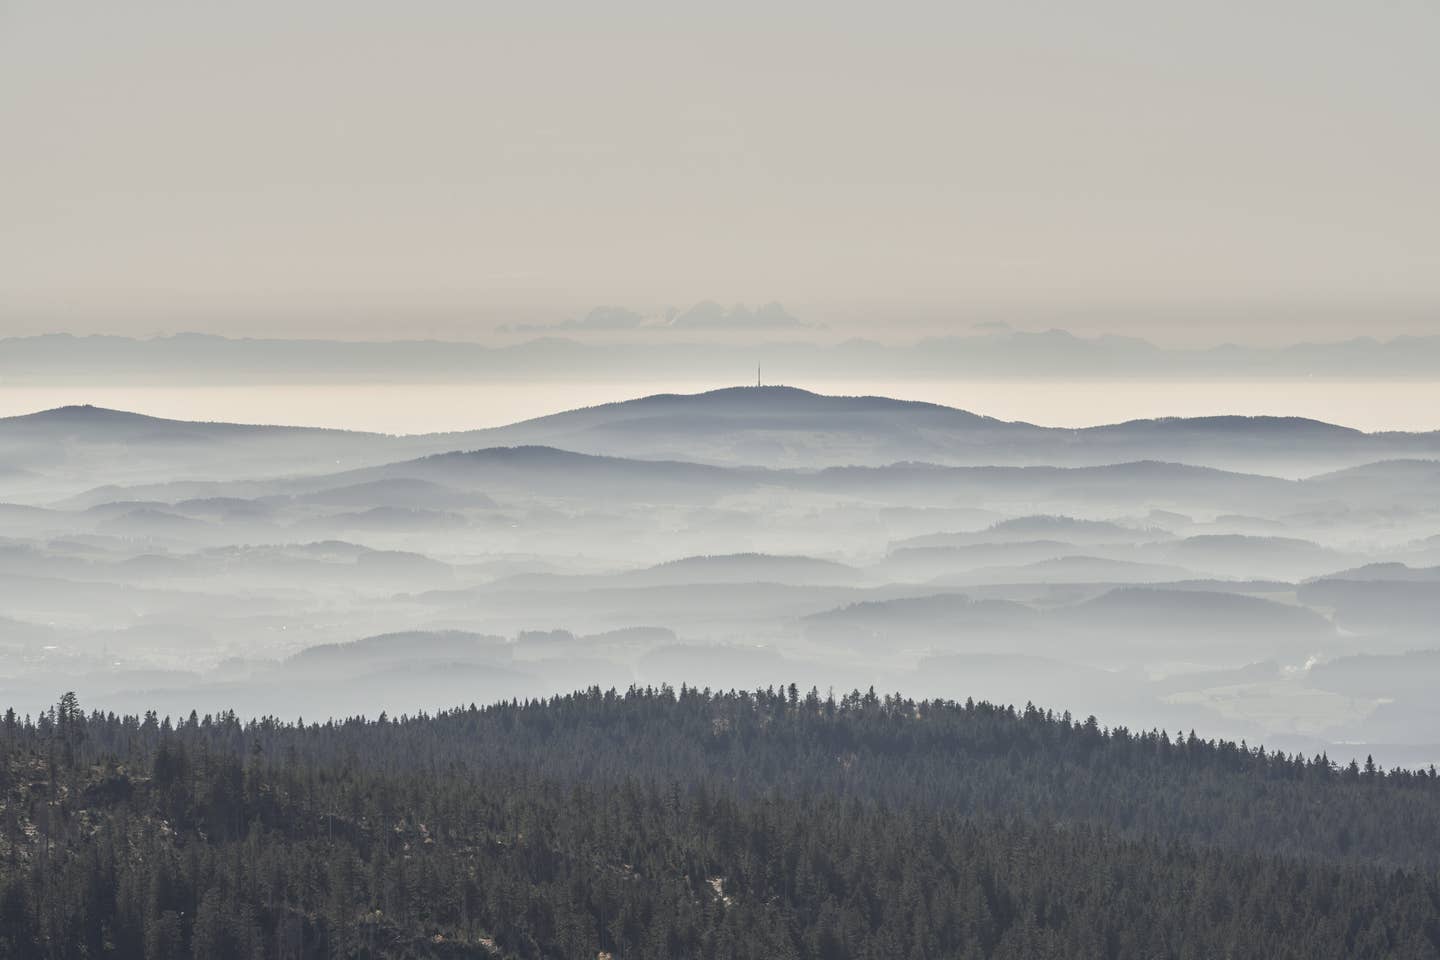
{"x": 426, "y": 408}
{"x": 1184, "y": 172}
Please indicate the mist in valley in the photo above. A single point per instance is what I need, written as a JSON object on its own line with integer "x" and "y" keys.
{"x": 1264, "y": 579}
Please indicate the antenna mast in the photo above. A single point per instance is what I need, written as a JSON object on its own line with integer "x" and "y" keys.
{"x": 757, "y": 374}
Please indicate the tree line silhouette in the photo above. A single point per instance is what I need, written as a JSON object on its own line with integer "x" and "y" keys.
{"x": 659, "y": 823}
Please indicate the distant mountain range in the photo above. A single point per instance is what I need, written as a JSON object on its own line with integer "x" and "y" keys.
{"x": 786, "y": 426}
{"x": 204, "y": 358}
{"x": 775, "y": 427}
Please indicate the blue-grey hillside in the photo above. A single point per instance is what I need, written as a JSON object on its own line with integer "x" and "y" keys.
{"x": 787, "y": 426}
{"x": 51, "y": 452}
{"x": 1136, "y": 571}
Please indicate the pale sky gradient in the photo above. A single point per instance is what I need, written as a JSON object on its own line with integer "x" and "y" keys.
{"x": 1184, "y": 171}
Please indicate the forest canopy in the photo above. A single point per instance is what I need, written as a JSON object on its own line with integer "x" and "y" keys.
{"x": 690, "y": 823}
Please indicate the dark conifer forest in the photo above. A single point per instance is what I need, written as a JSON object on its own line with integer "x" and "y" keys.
{"x": 658, "y": 823}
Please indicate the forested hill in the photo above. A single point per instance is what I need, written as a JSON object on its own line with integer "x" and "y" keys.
{"x": 662, "y": 823}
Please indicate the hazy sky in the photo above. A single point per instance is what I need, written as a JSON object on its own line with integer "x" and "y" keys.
{"x": 1189, "y": 170}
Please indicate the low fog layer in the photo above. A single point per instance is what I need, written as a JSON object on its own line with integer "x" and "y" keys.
{"x": 703, "y": 350}
{"x": 1267, "y": 579}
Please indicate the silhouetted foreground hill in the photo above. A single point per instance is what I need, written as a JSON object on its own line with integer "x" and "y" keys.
{"x": 663, "y": 824}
